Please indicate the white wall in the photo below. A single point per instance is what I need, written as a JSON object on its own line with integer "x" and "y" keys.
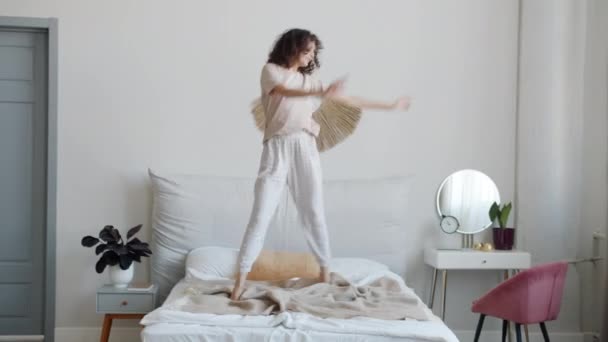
{"x": 168, "y": 85}
{"x": 595, "y": 160}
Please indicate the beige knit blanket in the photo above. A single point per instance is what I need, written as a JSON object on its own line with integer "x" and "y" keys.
{"x": 382, "y": 299}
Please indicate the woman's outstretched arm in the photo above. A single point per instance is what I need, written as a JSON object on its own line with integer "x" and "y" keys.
{"x": 334, "y": 87}
{"x": 402, "y": 103}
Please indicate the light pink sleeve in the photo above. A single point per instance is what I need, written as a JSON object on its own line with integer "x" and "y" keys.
{"x": 271, "y": 77}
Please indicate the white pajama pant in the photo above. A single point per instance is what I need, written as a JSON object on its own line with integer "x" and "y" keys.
{"x": 291, "y": 160}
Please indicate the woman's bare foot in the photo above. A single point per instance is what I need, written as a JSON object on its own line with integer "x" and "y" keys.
{"x": 324, "y": 275}
{"x": 239, "y": 286}
{"x": 236, "y": 293}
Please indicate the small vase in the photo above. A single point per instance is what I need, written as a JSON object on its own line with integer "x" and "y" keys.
{"x": 503, "y": 238}
{"x": 121, "y": 278}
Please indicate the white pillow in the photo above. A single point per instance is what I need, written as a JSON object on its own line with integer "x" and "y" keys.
{"x": 213, "y": 262}
{"x": 356, "y": 269}
{"x": 190, "y": 211}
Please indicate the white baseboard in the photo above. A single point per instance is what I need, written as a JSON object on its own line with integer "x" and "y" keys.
{"x": 122, "y": 334}
{"x": 495, "y": 335}
{"x": 117, "y": 334}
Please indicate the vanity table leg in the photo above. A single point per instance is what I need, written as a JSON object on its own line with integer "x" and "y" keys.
{"x": 433, "y": 287}
{"x": 509, "y": 336}
{"x": 514, "y": 272}
{"x": 445, "y": 285}
{"x": 508, "y": 274}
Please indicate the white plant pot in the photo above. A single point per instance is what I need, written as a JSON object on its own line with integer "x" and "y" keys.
{"x": 119, "y": 277}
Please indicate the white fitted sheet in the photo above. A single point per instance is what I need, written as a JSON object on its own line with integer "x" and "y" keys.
{"x": 175, "y": 332}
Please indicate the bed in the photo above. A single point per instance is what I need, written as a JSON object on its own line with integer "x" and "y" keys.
{"x": 197, "y": 225}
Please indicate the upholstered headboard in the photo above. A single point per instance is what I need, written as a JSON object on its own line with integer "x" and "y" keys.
{"x": 366, "y": 218}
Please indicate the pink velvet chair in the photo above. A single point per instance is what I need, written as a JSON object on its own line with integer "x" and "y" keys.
{"x": 530, "y": 297}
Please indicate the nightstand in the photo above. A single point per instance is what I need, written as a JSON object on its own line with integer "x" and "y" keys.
{"x": 123, "y": 303}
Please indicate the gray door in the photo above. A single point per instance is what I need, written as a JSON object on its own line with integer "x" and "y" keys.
{"x": 23, "y": 104}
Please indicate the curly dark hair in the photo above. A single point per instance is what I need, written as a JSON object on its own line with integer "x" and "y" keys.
{"x": 290, "y": 44}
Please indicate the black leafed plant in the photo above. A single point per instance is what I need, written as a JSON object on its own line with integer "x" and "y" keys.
{"x": 115, "y": 250}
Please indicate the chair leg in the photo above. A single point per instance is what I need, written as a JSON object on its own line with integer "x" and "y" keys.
{"x": 518, "y": 331}
{"x": 543, "y": 328}
{"x": 479, "y": 325}
{"x": 505, "y": 324}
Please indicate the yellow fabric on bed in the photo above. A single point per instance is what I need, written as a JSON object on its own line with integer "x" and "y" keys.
{"x": 280, "y": 265}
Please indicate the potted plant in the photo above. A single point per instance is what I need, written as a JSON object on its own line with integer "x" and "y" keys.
{"x": 117, "y": 253}
{"x": 503, "y": 237}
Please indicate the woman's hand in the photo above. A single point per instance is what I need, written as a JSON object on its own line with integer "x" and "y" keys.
{"x": 402, "y": 103}
{"x": 334, "y": 88}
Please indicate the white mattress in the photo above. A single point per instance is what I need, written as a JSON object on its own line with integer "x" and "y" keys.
{"x": 166, "y": 325}
{"x": 173, "y": 332}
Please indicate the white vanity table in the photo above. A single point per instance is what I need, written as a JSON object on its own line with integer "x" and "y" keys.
{"x": 463, "y": 202}
{"x": 445, "y": 260}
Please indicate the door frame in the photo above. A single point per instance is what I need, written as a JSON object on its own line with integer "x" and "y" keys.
{"x": 50, "y": 25}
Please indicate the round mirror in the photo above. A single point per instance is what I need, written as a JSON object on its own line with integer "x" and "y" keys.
{"x": 468, "y": 195}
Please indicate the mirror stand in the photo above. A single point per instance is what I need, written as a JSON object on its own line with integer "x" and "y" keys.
{"x": 468, "y": 241}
